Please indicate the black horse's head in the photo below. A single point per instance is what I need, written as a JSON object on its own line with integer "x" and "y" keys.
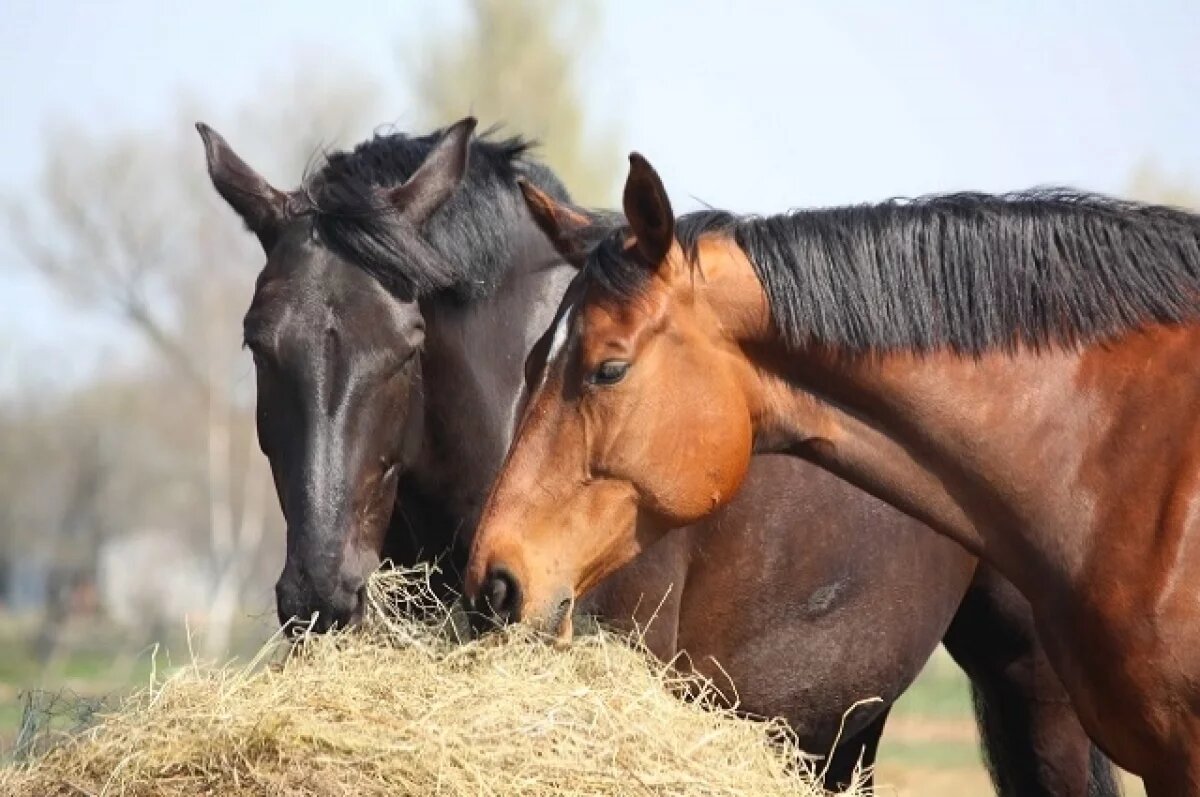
{"x": 335, "y": 331}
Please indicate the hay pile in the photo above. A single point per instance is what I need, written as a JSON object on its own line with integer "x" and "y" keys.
{"x": 399, "y": 708}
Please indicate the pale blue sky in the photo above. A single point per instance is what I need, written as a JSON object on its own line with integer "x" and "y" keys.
{"x": 755, "y": 106}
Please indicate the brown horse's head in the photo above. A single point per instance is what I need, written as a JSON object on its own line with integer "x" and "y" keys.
{"x": 636, "y": 423}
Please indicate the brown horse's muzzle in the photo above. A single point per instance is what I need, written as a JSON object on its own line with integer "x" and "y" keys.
{"x": 502, "y": 599}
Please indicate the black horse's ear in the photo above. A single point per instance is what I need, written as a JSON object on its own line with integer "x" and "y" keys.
{"x": 438, "y": 175}
{"x": 648, "y": 211}
{"x": 262, "y": 207}
{"x": 561, "y": 223}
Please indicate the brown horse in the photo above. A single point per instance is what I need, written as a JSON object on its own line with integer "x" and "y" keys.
{"x": 1020, "y": 372}
{"x": 404, "y": 286}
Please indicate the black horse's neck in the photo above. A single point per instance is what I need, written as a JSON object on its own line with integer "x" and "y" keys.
{"x": 473, "y": 382}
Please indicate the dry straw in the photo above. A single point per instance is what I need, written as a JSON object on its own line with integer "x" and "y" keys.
{"x": 400, "y": 708}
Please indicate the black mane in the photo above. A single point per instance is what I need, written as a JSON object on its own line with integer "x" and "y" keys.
{"x": 967, "y": 272}
{"x": 464, "y": 245}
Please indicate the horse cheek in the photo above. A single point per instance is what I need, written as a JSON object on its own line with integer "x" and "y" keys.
{"x": 729, "y": 470}
{"x": 712, "y": 470}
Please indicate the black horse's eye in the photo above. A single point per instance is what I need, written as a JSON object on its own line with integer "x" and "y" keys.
{"x": 610, "y": 372}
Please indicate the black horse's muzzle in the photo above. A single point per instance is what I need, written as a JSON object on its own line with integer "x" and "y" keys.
{"x": 302, "y": 607}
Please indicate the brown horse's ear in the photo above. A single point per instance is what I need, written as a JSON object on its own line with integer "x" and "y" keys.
{"x": 262, "y": 207}
{"x": 438, "y": 175}
{"x": 648, "y": 211}
{"x": 561, "y": 223}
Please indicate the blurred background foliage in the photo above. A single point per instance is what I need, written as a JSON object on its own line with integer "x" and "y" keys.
{"x": 128, "y": 225}
{"x": 136, "y": 496}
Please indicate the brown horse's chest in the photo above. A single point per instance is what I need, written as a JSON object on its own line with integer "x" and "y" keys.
{"x": 1128, "y": 661}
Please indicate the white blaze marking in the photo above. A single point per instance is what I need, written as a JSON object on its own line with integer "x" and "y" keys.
{"x": 561, "y": 333}
{"x": 558, "y": 343}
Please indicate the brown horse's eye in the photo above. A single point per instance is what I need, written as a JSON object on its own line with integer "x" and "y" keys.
{"x": 610, "y": 372}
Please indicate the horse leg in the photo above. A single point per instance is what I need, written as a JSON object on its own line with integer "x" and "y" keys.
{"x": 850, "y": 752}
{"x": 1032, "y": 739}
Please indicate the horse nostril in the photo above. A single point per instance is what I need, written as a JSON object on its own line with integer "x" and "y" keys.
{"x": 503, "y": 594}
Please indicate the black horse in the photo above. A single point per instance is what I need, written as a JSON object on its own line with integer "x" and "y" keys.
{"x": 404, "y": 288}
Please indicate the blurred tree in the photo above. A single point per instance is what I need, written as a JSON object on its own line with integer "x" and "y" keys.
{"x": 129, "y": 224}
{"x": 516, "y": 64}
{"x": 1150, "y": 184}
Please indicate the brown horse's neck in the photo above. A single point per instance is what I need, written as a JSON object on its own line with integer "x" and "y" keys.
{"x": 959, "y": 444}
{"x": 1010, "y": 454}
